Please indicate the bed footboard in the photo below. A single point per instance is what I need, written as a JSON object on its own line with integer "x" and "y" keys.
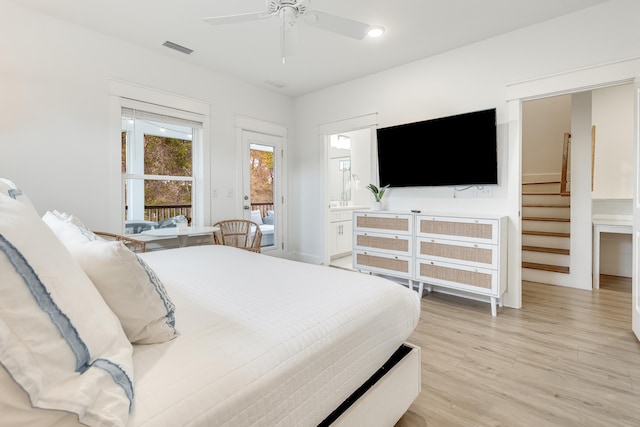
{"x": 384, "y": 398}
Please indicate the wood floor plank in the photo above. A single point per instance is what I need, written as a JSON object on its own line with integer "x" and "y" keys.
{"x": 567, "y": 358}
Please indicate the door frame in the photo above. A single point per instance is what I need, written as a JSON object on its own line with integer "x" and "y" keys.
{"x": 366, "y": 121}
{"x": 272, "y": 129}
{"x": 582, "y": 80}
{"x": 635, "y": 245}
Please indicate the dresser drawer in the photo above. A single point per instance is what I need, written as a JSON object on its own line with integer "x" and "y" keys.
{"x": 383, "y": 263}
{"x": 383, "y": 222}
{"x": 476, "y": 230}
{"x": 399, "y": 244}
{"x": 474, "y": 254}
{"x": 477, "y": 280}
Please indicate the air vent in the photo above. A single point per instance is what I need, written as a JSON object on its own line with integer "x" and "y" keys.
{"x": 275, "y": 83}
{"x": 177, "y": 47}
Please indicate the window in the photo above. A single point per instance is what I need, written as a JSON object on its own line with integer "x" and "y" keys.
{"x": 158, "y": 156}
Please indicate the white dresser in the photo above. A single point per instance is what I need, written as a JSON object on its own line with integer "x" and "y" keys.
{"x": 467, "y": 254}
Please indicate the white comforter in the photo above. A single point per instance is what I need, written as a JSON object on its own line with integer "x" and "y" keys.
{"x": 264, "y": 341}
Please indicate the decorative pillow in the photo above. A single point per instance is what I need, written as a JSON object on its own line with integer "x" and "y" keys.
{"x": 128, "y": 285}
{"x": 58, "y": 339}
{"x": 256, "y": 217}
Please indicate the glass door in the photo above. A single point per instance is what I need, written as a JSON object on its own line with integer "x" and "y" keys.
{"x": 262, "y": 198}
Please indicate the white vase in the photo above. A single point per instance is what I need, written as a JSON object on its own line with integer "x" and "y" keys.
{"x": 376, "y": 206}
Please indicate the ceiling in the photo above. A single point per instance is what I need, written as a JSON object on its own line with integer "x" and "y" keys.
{"x": 250, "y": 51}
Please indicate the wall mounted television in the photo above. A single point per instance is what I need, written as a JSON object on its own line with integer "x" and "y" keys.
{"x": 449, "y": 151}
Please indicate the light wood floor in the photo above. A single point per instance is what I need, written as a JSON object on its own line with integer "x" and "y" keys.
{"x": 567, "y": 358}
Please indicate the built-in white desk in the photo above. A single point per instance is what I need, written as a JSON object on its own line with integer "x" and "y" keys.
{"x": 620, "y": 224}
{"x": 181, "y": 233}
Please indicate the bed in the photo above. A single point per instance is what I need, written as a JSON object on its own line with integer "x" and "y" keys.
{"x": 259, "y": 341}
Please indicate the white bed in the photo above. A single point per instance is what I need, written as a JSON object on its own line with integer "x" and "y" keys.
{"x": 93, "y": 334}
{"x": 264, "y": 341}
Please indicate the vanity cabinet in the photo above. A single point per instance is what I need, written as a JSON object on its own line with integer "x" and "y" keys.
{"x": 466, "y": 254}
{"x": 340, "y": 232}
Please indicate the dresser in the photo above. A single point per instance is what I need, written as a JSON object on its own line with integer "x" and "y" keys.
{"x": 462, "y": 253}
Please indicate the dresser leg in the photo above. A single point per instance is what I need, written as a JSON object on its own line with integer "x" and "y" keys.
{"x": 494, "y": 310}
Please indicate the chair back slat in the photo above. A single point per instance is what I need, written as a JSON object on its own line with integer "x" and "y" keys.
{"x": 240, "y": 233}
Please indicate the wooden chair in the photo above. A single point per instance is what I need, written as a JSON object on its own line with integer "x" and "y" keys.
{"x": 238, "y": 233}
{"x": 133, "y": 244}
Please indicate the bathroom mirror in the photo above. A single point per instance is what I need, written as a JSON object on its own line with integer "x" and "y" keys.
{"x": 340, "y": 180}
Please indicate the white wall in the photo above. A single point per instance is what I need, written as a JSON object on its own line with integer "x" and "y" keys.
{"x": 467, "y": 79}
{"x": 613, "y": 117}
{"x": 545, "y": 121}
{"x": 54, "y": 112}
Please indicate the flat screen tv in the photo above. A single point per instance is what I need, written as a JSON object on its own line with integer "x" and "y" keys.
{"x": 449, "y": 151}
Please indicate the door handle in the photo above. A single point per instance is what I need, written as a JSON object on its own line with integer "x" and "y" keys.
{"x": 246, "y": 208}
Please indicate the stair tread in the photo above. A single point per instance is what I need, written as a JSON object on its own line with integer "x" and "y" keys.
{"x": 546, "y": 267}
{"x": 546, "y": 250}
{"x": 534, "y": 205}
{"x": 540, "y": 182}
{"x": 545, "y": 233}
{"x": 543, "y": 193}
{"x": 541, "y": 218}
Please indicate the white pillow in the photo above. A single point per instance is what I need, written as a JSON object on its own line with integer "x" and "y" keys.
{"x": 256, "y": 217}
{"x": 59, "y": 341}
{"x": 128, "y": 285}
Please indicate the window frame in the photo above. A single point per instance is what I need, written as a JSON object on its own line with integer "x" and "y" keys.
{"x": 127, "y": 95}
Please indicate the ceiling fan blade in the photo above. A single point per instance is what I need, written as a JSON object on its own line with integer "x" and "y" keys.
{"x": 337, "y": 24}
{"x": 234, "y": 19}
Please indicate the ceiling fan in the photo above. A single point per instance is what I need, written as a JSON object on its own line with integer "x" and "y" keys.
{"x": 289, "y": 11}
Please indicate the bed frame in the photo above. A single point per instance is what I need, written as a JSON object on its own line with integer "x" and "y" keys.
{"x": 386, "y": 396}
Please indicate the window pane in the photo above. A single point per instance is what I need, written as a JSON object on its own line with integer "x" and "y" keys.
{"x": 123, "y": 149}
{"x": 167, "y": 156}
{"x": 163, "y": 200}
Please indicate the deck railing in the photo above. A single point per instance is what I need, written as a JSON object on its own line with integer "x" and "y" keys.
{"x": 159, "y": 213}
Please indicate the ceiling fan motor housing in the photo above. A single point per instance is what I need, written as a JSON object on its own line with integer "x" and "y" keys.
{"x": 300, "y": 6}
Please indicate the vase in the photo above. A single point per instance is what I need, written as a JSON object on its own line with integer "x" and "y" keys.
{"x": 376, "y": 206}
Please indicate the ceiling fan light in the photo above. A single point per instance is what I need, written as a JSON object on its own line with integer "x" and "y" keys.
{"x": 375, "y": 31}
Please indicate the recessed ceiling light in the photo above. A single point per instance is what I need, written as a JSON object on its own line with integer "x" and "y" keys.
{"x": 375, "y": 31}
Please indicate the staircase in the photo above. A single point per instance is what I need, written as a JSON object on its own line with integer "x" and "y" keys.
{"x": 546, "y": 226}
{"x": 546, "y": 216}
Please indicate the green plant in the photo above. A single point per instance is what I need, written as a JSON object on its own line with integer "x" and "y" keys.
{"x": 377, "y": 192}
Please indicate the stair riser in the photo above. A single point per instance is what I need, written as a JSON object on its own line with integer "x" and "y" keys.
{"x": 546, "y": 212}
{"x": 545, "y": 258}
{"x": 550, "y": 278}
{"x": 546, "y": 241}
{"x": 541, "y": 187}
{"x": 554, "y": 227}
{"x": 544, "y": 199}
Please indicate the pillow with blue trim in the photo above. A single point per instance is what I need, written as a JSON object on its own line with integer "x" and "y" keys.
{"x": 128, "y": 285}
{"x": 59, "y": 341}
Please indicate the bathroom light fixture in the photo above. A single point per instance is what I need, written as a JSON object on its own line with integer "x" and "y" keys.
{"x": 342, "y": 142}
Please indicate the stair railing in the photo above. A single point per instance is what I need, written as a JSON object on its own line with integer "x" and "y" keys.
{"x": 564, "y": 191}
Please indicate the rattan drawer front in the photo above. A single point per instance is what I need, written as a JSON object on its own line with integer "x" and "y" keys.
{"x": 382, "y": 263}
{"x": 478, "y": 254}
{"x": 387, "y": 242}
{"x": 481, "y": 230}
{"x": 451, "y": 274}
{"x": 381, "y": 222}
